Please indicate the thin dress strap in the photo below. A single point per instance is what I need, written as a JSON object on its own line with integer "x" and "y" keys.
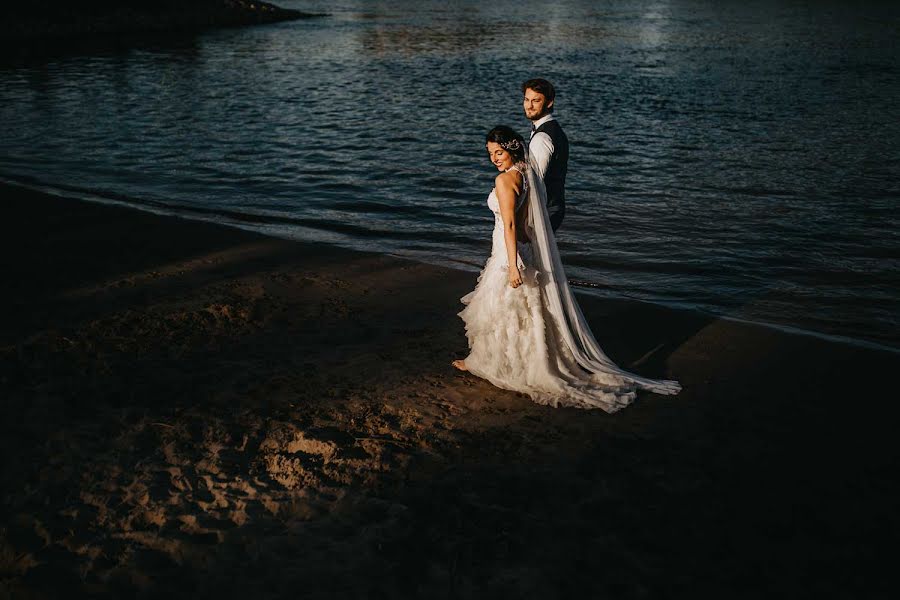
{"x": 523, "y": 194}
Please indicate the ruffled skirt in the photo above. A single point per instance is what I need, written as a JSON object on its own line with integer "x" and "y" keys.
{"x": 514, "y": 343}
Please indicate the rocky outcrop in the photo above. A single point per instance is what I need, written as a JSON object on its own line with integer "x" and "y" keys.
{"x": 41, "y": 21}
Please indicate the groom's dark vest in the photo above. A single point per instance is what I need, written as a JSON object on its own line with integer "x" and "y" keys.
{"x": 555, "y": 176}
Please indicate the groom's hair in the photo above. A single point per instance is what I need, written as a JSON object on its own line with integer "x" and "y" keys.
{"x": 541, "y": 86}
{"x": 509, "y": 140}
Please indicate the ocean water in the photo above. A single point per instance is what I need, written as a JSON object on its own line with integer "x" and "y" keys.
{"x": 731, "y": 157}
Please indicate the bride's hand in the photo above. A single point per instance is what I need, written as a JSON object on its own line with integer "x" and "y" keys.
{"x": 515, "y": 278}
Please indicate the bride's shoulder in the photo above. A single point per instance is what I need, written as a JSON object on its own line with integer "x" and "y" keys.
{"x": 508, "y": 179}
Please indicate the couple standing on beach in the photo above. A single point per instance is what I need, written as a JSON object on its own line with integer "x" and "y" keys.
{"x": 525, "y": 329}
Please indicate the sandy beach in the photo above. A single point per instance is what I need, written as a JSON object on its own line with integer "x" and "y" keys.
{"x": 192, "y": 410}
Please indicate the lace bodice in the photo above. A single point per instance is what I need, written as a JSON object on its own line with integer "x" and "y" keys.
{"x": 493, "y": 203}
{"x": 499, "y": 242}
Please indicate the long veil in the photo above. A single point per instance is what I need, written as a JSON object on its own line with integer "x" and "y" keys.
{"x": 576, "y": 333}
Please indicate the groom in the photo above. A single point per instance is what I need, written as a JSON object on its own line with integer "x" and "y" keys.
{"x": 549, "y": 146}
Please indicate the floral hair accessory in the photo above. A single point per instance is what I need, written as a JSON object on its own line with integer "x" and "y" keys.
{"x": 511, "y": 145}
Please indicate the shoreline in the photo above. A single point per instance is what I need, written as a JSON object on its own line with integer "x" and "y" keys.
{"x": 584, "y": 288}
{"x": 200, "y": 411}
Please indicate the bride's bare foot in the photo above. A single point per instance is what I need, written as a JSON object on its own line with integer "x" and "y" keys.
{"x": 460, "y": 364}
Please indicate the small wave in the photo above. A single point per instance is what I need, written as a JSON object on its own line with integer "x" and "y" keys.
{"x": 379, "y": 208}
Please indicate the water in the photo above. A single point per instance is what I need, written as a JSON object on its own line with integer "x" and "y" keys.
{"x": 738, "y": 158}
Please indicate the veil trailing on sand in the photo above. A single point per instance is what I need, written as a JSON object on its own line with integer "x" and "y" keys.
{"x": 561, "y": 303}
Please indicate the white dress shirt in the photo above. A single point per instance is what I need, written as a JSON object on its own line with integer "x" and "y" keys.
{"x": 541, "y": 147}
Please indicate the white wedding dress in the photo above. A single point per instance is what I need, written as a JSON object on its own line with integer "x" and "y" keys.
{"x": 534, "y": 338}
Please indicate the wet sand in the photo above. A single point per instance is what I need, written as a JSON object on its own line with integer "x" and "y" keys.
{"x": 192, "y": 410}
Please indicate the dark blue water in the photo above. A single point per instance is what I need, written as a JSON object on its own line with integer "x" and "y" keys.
{"x": 743, "y": 160}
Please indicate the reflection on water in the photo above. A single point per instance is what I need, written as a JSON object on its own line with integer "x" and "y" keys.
{"x": 739, "y": 159}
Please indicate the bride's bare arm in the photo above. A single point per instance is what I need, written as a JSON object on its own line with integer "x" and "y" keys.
{"x": 507, "y": 186}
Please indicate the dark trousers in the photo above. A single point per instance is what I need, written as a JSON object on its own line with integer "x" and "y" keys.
{"x": 556, "y": 216}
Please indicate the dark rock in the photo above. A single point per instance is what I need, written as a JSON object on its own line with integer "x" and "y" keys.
{"x": 41, "y": 21}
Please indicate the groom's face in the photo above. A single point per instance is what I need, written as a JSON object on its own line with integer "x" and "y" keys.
{"x": 535, "y": 104}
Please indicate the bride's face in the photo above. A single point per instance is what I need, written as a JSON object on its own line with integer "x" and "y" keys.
{"x": 502, "y": 159}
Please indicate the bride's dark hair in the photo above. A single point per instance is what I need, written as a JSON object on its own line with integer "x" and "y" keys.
{"x": 509, "y": 140}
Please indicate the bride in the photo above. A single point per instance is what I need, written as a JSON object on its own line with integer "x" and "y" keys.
{"x": 526, "y": 332}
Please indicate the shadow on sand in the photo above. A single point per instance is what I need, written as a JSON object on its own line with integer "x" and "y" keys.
{"x": 196, "y": 411}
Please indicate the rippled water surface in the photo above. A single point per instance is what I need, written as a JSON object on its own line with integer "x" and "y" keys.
{"x": 739, "y": 159}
